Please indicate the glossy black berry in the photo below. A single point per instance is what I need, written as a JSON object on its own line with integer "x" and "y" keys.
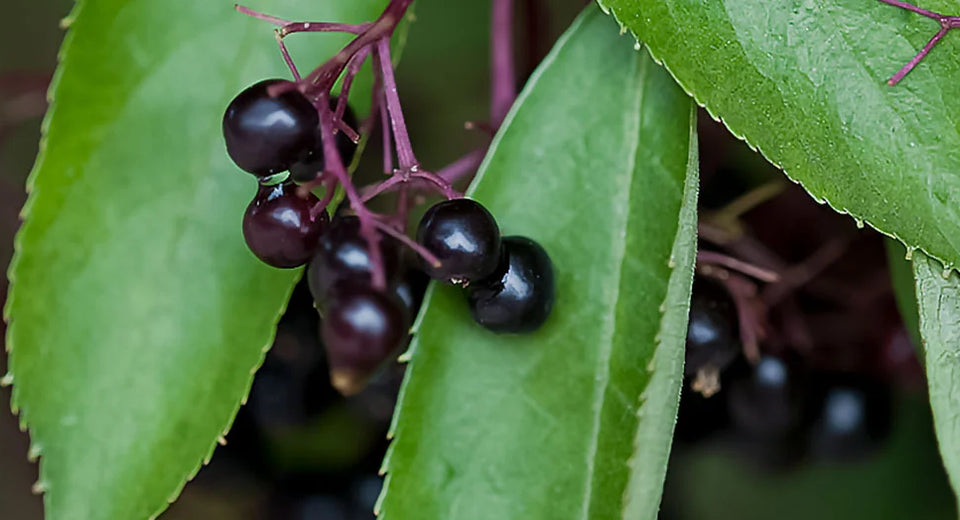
{"x": 266, "y": 134}
{"x": 278, "y": 227}
{"x": 713, "y": 331}
{"x": 464, "y": 236}
{"x": 343, "y": 254}
{"x": 307, "y": 169}
{"x": 767, "y": 403}
{"x": 518, "y": 297}
{"x": 361, "y": 329}
{"x": 851, "y": 415}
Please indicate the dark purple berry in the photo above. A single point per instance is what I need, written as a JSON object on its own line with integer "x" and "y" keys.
{"x": 264, "y": 134}
{"x": 464, "y": 236}
{"x": 519, "y": 296}
{"x": 851, "y": 416}
{"x": 766, "y": 403}
{"x": 361, "y": 328}
{"x": 343, "y": 254}
{"x": 278, "y": 226}
{"x": 713, "y": 331}
{"x": 410, "y": 288}
{"x": 307, "y": 169}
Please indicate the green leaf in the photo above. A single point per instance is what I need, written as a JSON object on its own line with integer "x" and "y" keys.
{"x": 939, "y": 301}
{"x": 804, "y": 82}
{"x": 598, "y": 162}
{"x": 137, "y": 314}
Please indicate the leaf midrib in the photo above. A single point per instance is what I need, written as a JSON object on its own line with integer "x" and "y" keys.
{"x": 620, "y": 247}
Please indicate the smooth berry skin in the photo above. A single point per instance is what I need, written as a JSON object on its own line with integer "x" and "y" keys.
{"x": 309, "y": 167}
{"x": 851, "y": 416}
{"x": 519, "y": 297}
{"x": 767, "y": 403}
{"x": 464, "y": 236}
{"x": 361, "y": 329}
{"x": 343, "y": 254}
{"x": 713, "y": 329}
{"x": 264, "y": 134}
{"x": 278, "y": 226}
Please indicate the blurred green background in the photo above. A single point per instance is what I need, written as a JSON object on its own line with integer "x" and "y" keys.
{"x": 306, "y": 465}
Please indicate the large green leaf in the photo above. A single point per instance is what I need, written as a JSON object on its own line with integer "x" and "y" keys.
{"x": 137, "y": 314}
{"x": 598, "y": 162}
{"x": 938, "y": 297}
{"x": 804, "y": 82}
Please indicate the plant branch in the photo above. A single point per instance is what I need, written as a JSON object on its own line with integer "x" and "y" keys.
{"x": 946, "y": 23}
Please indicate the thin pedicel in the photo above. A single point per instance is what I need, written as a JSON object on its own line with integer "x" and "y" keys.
{"x": 946, "y": 23}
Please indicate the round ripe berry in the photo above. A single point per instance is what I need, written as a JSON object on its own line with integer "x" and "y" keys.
{"x": 278, "y": 227}
{"x": 343, "y": 254}
{"x": 266, "y": 134}
{"x": 464, "y": 236}
{"x": 851, "y": 416}
{"x": 519, "y": 296}
{"x": 766, "y": 403}
{"x": 361, "y": 329}
{"x": 307, "y": 169}
{"x": 713, "y": 331}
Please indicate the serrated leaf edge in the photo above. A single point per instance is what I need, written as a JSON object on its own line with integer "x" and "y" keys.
{"x": 860, "y": 221}
{"x": 481, "y": 173}
{"x": 682, "y": 260}
{"x": 35, "y": 449}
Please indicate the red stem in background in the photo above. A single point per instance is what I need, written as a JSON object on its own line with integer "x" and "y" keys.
{"x": 712, "y": 257}
{"x": 503, "y": 88}
{"x": 462, "y": 166}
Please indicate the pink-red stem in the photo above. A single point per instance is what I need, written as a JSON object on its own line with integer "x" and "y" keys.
{"x": 946, "y": 23}
{"x": 503, "y": 88}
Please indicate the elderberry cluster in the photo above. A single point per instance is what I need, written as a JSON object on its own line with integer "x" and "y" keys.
{"x": 776, "y": 408}
{"x": 272, "y": 128}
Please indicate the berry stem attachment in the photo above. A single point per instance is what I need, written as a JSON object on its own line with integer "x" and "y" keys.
{"x": 946, "y": 23}
{"x": 409, "y": 242}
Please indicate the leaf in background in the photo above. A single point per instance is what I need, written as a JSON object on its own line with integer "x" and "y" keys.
{"x": 805, "y": 83}
{"x": 939, "y": 301}
{"x": 598, "y": 163}
{"x": 137, "y": 314}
